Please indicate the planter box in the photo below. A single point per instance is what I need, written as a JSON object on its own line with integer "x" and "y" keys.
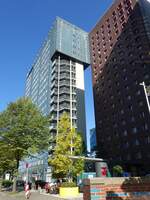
{"x": 68, "y": 191}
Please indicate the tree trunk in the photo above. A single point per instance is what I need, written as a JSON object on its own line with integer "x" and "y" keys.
{"x": 70, "y": 179}
{"x": 15, "y": 178}
{"x": 14, "y": 184}
{"x": 1, "y": 180}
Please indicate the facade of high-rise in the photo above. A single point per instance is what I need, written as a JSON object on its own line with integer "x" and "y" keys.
{"x": 35, "y": 168}
{"x": 120, "y": 56}
{"x": 55, "y": 82}
{"x": 92, "y": 139}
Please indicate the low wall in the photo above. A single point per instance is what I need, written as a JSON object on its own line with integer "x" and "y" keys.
{"x": 117, "y": 188}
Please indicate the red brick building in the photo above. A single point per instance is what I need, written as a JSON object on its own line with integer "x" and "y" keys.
{"x": 120, "y": 54}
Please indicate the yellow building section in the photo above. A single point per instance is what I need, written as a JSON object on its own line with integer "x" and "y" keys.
{"x": 68, "y": 191}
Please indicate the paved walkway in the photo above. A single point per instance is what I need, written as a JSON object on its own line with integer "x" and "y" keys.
{"x": 34, "y": 196}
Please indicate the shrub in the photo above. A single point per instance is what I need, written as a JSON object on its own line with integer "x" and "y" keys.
{"x": 7, "y": 183}
{"x": 68, "y": 184}
{"x": 117, "y": 170}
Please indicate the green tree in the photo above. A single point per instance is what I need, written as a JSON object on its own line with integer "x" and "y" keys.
{"x": 68, "y": 143}
{"x": 117, "y": 170}
{"x": 23, "y": 130}
{"x": 7, "y": 162}
{"x": 7, "y": 159}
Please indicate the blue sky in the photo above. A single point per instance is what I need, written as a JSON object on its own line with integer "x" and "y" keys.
{"x": 23, "y": 26}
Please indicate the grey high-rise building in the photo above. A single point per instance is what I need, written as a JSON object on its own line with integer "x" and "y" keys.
{"x": 55, "y": 82}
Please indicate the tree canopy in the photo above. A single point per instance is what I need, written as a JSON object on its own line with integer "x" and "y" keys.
{"x": 68, "y": 143}
{"x": 23, "y": 130}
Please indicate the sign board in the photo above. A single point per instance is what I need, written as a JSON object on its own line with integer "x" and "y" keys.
{"x": 7, "y": 176}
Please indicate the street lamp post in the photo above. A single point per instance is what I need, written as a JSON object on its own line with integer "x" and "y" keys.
{"x": 27, "y": 173}
{"x": 147, "y": 100}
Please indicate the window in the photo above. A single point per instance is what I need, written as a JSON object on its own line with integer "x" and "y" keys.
{"x": 117, "y": 83}
{"x": 116, "y": 26}
{"x": 111, "y": 97}
{"x": 146, "y": 126}
{"x": 115, "y": 125}
{"x": 119, "y": 6}
{"x": 121, "y": 53}
{"x": 134, "y": 71}
{"x": 113, "y": 106}
{"x": 136, "y": 82}
{"x": 126, "y": 144}
{"x": 141, "y": 103}
{"x": 116, "y": 74}
{"x": 116, "y": 32}
{"x": 148, "y": 139}
{"x": 138, "y": 155}
{"x": 137, "y": 142}
{"x": 132, "y": 119}
{"x": 125, "y": 78}
{"x": 105, "y": 50}
{"x": 128, "y": 157}
{"x": 104, "y": 44}
{"x": 144, "y": 66}
{"x": 107, "y": 20}
{"x": 130, "y": 107}
{"x": 122, "y": 19}
{"x": 138, "y": 92}
{"x": 125, "y": 133}
{"x": 122, "y": 111}
{"x": 126, "y": 87}
{"x": 129, "y": 97}
{"x": 103, "y": 38}
{"x": 110, "y": 38}
{"x": 111, "y": 45}
{"x": 123, "y": 122}
{"x": 114, "y": 13}
{"x": 130, "y": 54}
{"x": 121, "y": 12}
{"x": 146, "y": 76}
{"x": 134, "y": 130}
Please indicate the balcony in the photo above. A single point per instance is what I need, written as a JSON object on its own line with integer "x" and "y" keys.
{"x": 62, "y": 99}
{"x": 53, "y": 117}
{"x": 74, "y": 117}
{"x": 61, "y": 108}
{"x": 53, "y": 108}
{"x": 64, "y": 62}
{"x": 64, "y": 76}
{"x": 61, "y": 83}
{"x": 65, "y": 69}
{"x": 64, "y": 91}
{"x": 54, "y": 77}
{"x": 54, "y": 92}
{"x": 53, "y": 70}
{"x": 53, "y": 84}
{"x": 53, "y": 126}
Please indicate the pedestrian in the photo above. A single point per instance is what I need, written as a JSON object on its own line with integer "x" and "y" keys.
{"x": 27, "y": 191}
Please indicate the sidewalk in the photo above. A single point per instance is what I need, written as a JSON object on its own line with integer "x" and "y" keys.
{"x": 35, "y": 195}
